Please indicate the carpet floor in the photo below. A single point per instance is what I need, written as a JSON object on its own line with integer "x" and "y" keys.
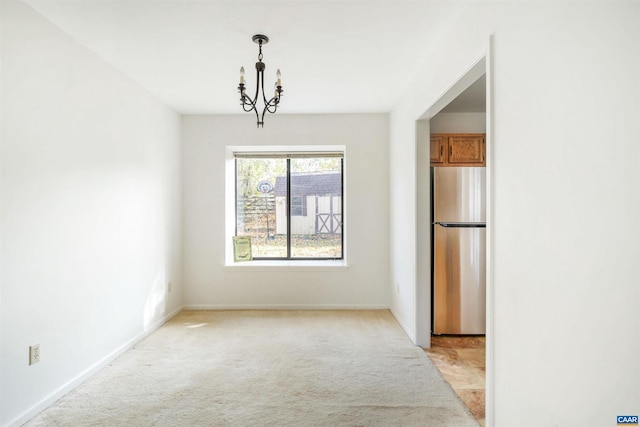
{"x": 267, "y": 368}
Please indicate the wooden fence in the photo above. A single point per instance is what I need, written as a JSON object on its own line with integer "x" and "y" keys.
{"x": 252, "y": 212}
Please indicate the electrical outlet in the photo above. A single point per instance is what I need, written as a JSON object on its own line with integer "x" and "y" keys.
{"x": 34, "y": 354}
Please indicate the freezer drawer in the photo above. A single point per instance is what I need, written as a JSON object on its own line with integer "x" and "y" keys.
{"x": 459, "y": 280}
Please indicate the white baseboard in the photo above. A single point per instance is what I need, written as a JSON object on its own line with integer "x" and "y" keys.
{"x": 285, "y": 307}
{"x": 410, "y": 334}
{"x": 87, "y": 373}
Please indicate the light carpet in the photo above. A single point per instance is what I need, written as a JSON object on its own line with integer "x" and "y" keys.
{"x": 267, "y": 368}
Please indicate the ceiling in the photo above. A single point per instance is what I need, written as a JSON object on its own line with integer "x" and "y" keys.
{"x": 472, "y": 100}
{"x": 336, "y": 56}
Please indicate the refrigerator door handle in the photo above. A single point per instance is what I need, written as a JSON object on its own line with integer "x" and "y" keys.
{"x": 462, "y": 224}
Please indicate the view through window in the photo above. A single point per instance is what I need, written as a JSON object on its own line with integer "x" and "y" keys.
{"x": 290, "y": 204}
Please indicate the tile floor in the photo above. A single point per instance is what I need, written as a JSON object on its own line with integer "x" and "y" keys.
{"x": 461, "y": 360}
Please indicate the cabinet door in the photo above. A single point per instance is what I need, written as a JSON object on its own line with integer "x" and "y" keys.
{"x": 466, "y": 150}
{"x": 438, "y": 149}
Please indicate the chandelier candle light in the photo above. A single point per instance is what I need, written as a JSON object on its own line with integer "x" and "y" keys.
{"x": 249, "y": 104}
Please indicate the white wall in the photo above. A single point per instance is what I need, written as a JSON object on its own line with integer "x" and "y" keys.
{"x": 565, "y": 165}
{"x": 208, "y": 283}
{"x": 90, "y": 212}
{"x": 459, "y": 123}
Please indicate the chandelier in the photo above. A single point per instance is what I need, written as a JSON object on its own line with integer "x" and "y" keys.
{"x": 249, "y": 104}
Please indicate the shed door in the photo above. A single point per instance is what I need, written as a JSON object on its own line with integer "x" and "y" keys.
{"x": 328, "y": 215}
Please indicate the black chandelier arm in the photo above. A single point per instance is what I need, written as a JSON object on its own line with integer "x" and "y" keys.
{"x": 247, "y": 106}
{"x": 264, "y": 96}
{"x": 263, "y": 113}
{"x": 260, "y": 76}
{"x": 272, "y": 105}
{"x": 258, "y": 117}
{"x": 245, "y": 101}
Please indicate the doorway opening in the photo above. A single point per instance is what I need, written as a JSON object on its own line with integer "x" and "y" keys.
{"x": 465, "y": 108}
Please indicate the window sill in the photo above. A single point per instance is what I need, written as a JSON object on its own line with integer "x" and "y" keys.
{"x": 310, "y": 265}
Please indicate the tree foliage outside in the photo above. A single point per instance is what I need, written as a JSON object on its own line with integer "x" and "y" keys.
{"x": 251, "y": 171}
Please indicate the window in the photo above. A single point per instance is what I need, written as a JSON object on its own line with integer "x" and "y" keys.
{"x": 290, "y": 204}
{"x": 298, "y": 206}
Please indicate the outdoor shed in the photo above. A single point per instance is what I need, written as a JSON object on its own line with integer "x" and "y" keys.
{"x": 316, "y": 203}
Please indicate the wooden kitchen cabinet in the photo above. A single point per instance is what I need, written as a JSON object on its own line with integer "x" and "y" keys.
{"x": 438, "y": 148}
{"x": 464, "y": 149}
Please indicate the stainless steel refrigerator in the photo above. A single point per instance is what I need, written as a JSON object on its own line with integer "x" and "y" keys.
{"x": 458, "y": 234}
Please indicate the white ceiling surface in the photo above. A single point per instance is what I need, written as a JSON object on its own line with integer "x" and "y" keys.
{"x": 472, "y": 100}
{"x": 336, "y": 56}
